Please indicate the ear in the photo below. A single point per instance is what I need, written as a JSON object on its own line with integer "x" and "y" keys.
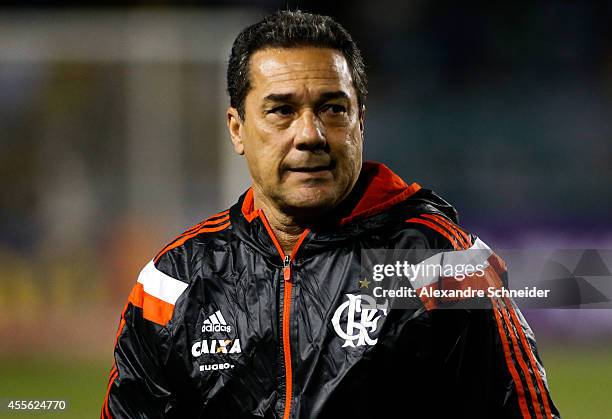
{"x": 234, "y": 125}
{"x": 362, "y": 119}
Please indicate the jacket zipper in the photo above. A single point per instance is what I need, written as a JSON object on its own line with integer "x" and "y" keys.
{"x": 286, "y": 320}
{"x": 287, "y": 268}
{"x": 286, "y": 334}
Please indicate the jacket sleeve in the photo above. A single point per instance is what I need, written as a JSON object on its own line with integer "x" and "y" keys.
{"x": 517, "y": 370}
{"x": 516, "y": 375}
{"x": 488, "y": 365}
{"x": 137, "y": 386}
{"x": 488, "y": 351}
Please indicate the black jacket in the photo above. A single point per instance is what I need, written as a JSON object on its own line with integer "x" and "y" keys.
{"x": 222, "y": 324}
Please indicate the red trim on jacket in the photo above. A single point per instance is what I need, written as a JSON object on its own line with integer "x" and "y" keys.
{"x": 383, "y": 189}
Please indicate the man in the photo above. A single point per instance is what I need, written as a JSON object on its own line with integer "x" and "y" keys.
{"x": 258, "y": 310}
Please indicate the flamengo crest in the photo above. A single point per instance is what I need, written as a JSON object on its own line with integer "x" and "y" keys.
{"x": 362, "y": 319}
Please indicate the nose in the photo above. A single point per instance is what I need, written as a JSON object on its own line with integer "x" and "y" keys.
{"x": 310, "y": 132}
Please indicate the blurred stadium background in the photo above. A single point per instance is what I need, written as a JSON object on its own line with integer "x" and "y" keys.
{"x": 112, "y": 141}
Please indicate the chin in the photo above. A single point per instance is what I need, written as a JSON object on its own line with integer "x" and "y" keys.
{"x": 312, "y": 202}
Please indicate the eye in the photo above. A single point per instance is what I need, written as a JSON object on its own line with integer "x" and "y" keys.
{"x": 334, "y": 109}
{"x": 283, "y": 110}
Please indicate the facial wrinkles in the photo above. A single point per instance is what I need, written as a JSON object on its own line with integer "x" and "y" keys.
{"x": 305, "y": 81}
{"x": 302, "y": 74}
{"x": 280, "y": 70}
{"x": 305, "y": 98}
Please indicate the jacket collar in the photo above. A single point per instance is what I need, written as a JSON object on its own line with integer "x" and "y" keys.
{"x": 377, "y": 190}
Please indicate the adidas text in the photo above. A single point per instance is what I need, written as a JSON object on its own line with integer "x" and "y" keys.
{"x": 216, "y": 328}
{"x": 216, "y": 323}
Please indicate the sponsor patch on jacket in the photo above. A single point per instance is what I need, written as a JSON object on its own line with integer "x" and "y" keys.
{"x": 216, "y": 346}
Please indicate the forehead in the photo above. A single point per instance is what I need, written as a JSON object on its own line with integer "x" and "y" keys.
{"x": 282, "y": 70}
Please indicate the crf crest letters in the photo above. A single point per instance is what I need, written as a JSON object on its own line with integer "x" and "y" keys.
{"x": 362, "y": 319}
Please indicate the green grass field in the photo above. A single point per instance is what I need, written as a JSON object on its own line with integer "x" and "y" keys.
{"x": 581, "y": 383}
{"x": 81, "y": 383}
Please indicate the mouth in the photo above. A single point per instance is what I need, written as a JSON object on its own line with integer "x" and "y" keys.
{"x": 312, "y": 168}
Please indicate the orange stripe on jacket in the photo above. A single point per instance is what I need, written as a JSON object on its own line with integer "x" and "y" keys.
{"x": 210, "y": 221}
{"x": 153, "y": 309}
{"x": 521, "y": 362}
{"x": 121, "y": 323}
{"x": 490, "y": 278}
{"x": 436, "y": 228}
{"x": 183, "y": 238}
{"x": 520, "y": 392}
{"x": 530, "y": 356}
{"x": 105, "y": 410}
{"x": 452, "y": 228}
{"x": 215, "y": 219}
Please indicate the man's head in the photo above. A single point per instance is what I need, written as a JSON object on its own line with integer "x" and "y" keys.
{"x": 297, "y": 87}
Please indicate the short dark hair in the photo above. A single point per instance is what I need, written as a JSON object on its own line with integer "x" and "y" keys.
{"x": 291, "y": 29}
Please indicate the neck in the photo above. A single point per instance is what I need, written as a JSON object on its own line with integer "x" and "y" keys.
{"x": 286, "y": 228}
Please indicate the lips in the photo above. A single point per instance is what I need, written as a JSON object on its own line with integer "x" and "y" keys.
{"x": 312, "y": 168}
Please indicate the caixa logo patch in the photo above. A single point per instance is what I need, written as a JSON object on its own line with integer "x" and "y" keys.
{"x": 216, "y": 346}
{"x": 361, "y": 314}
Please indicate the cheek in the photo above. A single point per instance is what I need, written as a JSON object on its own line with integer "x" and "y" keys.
{"x": 264, "y": 152}
{"x": 262, "y": 163}
{"x": 254, "y": 152}
{"x": 353, "y": 150}
{"x": 348, "y": 158}
{"x": 356, "y": 156}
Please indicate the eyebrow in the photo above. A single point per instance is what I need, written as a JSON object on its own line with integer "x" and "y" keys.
{"x": 290, "y": 97}
{"x": 338, "y": 94}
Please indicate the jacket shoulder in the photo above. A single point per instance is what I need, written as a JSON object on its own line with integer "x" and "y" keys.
{"x": 209, "y": 227}
{"x": 438, "y": 231}
{"x": 164, "y": 279}
{"x": 429, "y": 216}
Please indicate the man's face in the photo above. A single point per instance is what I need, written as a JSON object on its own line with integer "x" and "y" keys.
{"x": 302, "y": 133}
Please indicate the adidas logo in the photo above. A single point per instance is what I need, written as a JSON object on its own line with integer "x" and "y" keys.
{"x": 216, "y": 323}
